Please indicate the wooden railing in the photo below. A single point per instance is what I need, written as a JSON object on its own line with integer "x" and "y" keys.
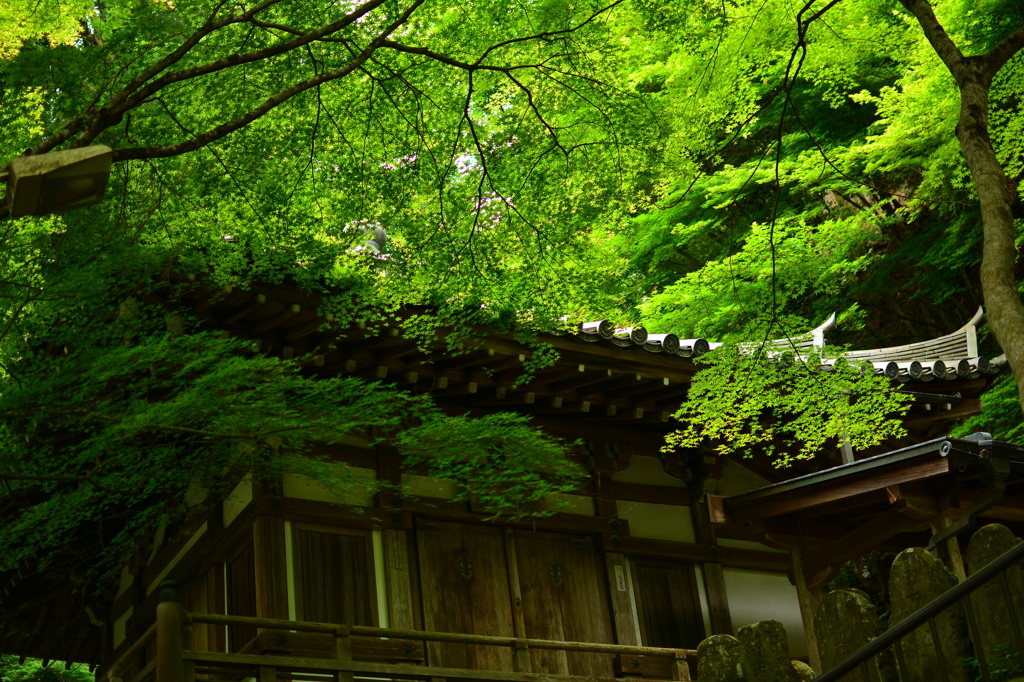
{"x": 177, "y": 661}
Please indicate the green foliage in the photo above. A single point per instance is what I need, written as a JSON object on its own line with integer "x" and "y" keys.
{"x": 790, "y": 408}
{"x": 640, "y": 162}
{"x": 116, "y": 418}
{"x": 33, "y": 670}
{"x": 1001, "y": 413}
{"x": 498, "y": 459}
{"x": 1004, "y": 664}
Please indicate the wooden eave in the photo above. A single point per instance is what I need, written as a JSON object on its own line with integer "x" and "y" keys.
{"x": 889, "y": 501}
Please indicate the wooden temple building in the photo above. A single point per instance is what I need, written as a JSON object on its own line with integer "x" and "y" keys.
{"x": 654, "y": 553}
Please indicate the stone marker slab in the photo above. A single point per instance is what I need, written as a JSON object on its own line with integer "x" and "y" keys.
{"x": 994, "y": 635}
{"x": 844, "y": 622}
{"x": 764, "y": 653}
{"x": 718, "y": 660}
{"x": 916, "y": 579}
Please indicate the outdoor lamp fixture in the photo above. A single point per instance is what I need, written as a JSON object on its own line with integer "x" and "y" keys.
{"x": 57, "y": 181}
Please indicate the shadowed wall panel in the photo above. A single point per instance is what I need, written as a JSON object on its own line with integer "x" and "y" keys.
{"x": 669, "y": 616}
{"x": 333, "y": 578}
{"x": 241, "y": 591}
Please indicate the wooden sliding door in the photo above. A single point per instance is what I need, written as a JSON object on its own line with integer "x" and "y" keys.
{"x": 465, "y": 588}
{"x": 470, "y": 577}
{"x": 565, "y": 597}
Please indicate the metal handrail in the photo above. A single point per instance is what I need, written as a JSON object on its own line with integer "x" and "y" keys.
{"x": 926, "y": 613}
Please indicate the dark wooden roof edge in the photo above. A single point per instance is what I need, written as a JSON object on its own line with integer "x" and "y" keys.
{"x": 968, "y": 450}
{"x": 951, "y": 357}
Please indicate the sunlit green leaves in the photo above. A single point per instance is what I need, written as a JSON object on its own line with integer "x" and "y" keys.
{"x": 744, "y": 400}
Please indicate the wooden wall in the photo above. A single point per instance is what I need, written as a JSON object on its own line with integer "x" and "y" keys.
{"x": 581, "y": 574}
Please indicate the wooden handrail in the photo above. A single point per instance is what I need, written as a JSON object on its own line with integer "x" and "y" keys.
{"x": 488, "y": 640}
{"x": 117, "y": 668}
{"x": 384, "y": 670}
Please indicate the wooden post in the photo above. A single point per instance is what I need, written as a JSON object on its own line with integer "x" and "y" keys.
{"x": 169, "y": 623}
{"x": 954, "y": 560}
{"x": 626, "y": 628}
{"x": 343, "y": 651}
{"x": 268, "y": 673}
{"x": 187, "y": 644}
{"x": 809, "y": 601}
{"x": 514, "y": 586}
{"x": 397, "y": 577}
{"x": 680, "y": 668}
{"x": 714, "y": 579}
{"x": 521, "y": 657}
{"x": 718, "y": 602}
{"x": 271, "y": 572}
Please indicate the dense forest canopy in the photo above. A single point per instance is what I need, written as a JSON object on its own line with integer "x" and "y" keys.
{"x": 735, "y": 170}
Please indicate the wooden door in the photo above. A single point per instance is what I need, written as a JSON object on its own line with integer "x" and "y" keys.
{"x": 668, "y": 605}
{"x": 565, "y": 597}
{"x": 465, "y": 588}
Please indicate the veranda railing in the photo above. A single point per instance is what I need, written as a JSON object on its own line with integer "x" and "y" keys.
{"x": 893, "y": 637}
{"x": 176, "y": 661}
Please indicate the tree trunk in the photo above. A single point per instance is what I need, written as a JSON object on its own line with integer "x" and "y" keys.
{"x": 999, "y": 256}
{"x": 973, "y": 77}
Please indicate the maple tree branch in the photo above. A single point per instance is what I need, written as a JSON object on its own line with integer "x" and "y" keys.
{"x": 226, "y": 128}
{"x": 1004, "y": 50}
{"x": 943, "y": 45}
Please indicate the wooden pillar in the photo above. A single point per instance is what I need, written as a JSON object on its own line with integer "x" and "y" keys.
{"x": 714, "y": 579}
{"x": 270, "y": 553}
{"x": 605, "y": 505}
{"x": 169, "y": 626}
{"x": 397, "y": 577}
{"x": 515, "y": 589}
{"x": 809, "y": 600}
{"x": 626, "y": 627}
{"x": 388, "y": 463}
{"x": 951, "y": 555}
{"x": 343, "y": 651}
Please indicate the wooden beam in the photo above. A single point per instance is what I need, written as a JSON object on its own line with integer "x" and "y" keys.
{"x": 277, "y": 318}
{"x": 623, "y": 614}
{"x": 1007, "y": 509}
{"x": 809, "y": 600}
{"x": 821, "y": 492}
{"x": 658, "y": 494}
{"x": 257, "y": 302}
{"x": 822, "y": 566}
{"x": 696, "y": 553}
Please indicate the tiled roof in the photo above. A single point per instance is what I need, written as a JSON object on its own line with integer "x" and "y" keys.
{"x": 950, "y": 357}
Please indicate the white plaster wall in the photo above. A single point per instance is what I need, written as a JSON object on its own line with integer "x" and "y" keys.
{"x": 647, "y": 470}
{"x": 305, "y": 488}
{"x": 737, "y": 479}
{"x": 127, "y": 579}
{"x": 236, "y": 501}
{"x": 760, "y": 595}
{"x": 423, "y": 486}
{"x": 657, "y": 521}
{"x": 177, "y": 557}
{"x": 570, "y": 504}
{"x": 120, "y": 626}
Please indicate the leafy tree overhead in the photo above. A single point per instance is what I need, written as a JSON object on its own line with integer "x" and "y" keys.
{"x": 729, "y": 169}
